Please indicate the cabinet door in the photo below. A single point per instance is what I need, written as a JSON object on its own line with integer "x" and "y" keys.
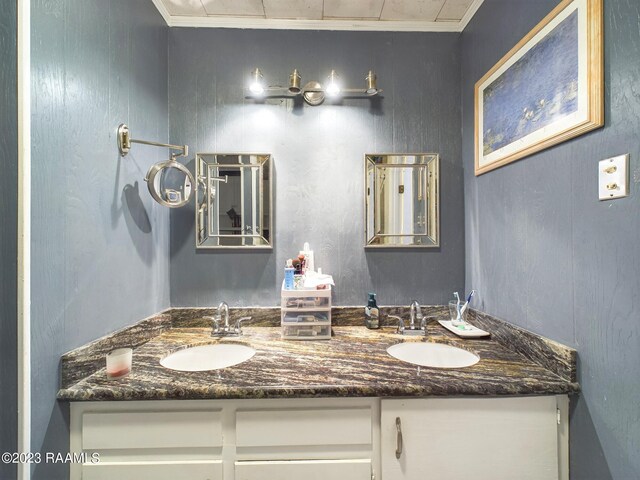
{"x": 304, "y": 469}
{"x": 470, "y": 438}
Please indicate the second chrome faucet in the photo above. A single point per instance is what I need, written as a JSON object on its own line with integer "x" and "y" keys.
{"x": 417, "y": 321}
{"x": 220, "y": 326}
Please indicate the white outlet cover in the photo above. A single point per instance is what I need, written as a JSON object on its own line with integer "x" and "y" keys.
{"x": 613, "y": 177}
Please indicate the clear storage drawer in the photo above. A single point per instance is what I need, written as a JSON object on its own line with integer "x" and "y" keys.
{"x": 306, "y": 332}
{"x": 305, "y": 317}
{"x": 306, "y": 302}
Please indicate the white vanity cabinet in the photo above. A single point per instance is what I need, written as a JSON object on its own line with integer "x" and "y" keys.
{"x": 323, "y": 438}
{"x": 287, "y": 439}
{"x": 475, "y": 438}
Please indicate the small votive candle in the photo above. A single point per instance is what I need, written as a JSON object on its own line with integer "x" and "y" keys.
{"x": 119, "y": 362}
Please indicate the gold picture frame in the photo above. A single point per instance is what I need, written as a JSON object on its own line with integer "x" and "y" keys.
{"x": 549, "y": 87}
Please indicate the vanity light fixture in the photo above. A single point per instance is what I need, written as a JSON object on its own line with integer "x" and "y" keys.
{"x": 312, "y": 92}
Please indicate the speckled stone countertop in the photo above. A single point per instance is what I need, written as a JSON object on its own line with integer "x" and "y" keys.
{"x": 354, "y": 363}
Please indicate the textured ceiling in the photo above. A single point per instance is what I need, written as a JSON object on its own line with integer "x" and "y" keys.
{"x": 319, "y": 12}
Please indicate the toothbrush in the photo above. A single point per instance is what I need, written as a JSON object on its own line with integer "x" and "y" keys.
{"x": 465, "y": 306}
{"x": 473, "y": 292}
{"x": 467, "y": 303}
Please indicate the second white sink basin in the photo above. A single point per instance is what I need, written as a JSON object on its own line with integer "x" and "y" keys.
{"x": 435, "y": 355}
{"x": 208, "y": 357}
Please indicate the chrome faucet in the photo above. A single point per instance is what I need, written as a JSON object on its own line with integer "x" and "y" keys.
{"x": 223, "y": 308}
{"x": 220, "y": 329}
{"x": 417, "y": 321}
{"x": 415, "y": 313}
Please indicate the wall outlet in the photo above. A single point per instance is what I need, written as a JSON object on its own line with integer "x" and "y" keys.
{"x": 613, "y": 177}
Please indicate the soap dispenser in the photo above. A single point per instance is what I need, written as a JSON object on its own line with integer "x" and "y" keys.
{"x": 372, "y": 313}
{"x": 308, "y": 257}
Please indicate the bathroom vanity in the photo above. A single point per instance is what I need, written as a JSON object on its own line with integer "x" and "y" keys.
{"x": 342, "y": 408}
{"x": 346, "y": 439}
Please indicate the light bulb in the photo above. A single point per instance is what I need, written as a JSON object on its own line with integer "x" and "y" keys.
{"x": 371, "y": 79}
{"x": 333, "y": 88}
{"x": 294, "y": 82}
{"x": 256, "y": 85}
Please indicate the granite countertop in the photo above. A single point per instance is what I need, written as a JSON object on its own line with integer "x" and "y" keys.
{"x": 354, "y": 363}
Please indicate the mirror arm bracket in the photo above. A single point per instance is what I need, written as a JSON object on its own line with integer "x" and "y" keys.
{"x": 125, "y": 141}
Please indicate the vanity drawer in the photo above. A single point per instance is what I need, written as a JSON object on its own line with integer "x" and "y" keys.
{"x": 307, "y": 470}
{"x": 196, "y": 470}
{"x": 303, "y": 427}
{"x": 144, "y": 430}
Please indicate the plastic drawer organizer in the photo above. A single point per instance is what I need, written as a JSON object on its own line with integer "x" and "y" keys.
{"x": 306, "y": 314}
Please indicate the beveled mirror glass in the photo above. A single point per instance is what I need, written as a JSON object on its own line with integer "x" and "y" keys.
{"x": 402, "y": 207}
{"x": 234, "y": 200}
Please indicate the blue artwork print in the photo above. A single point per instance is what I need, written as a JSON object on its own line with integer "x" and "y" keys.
{"x": 537, "y": 90}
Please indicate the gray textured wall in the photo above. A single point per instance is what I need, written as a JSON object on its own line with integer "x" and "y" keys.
{"x": 545, "y": 254}
{"x": 8, "y": 233}
{"x": 100, "y": 244}
{"x": 318, "y": 154}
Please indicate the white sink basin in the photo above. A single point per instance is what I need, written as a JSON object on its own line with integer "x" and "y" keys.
{"x": 435, "y": 355}
{"x": 208, "y": 357}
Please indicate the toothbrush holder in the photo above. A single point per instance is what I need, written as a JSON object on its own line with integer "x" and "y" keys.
{"x": 457, "y": 317}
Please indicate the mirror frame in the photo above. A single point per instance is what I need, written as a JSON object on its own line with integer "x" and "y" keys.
{"x": 434, "y": 161}
{"x": 263, "y": 158}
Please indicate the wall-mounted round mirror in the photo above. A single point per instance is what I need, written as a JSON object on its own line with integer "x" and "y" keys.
{"x": 170, "y": 183}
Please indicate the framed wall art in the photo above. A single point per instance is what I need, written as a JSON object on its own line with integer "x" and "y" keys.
{"x": 547, "y": 89}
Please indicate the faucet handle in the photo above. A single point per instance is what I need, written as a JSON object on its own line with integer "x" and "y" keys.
{"x": 400, "y": 323}
{"x": 239, "y": 324}
{"x": 215, "y": 323}
{"x": 424, "y": 321}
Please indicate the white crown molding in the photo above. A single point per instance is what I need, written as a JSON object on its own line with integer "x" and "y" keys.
{"x": 163, "y": 11}
{"x": 469, "y": 14}
{"x": 289, "y": 24}
{"x": 214, "y": 21}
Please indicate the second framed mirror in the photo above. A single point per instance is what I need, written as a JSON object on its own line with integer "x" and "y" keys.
{"x": 402, "y": 207}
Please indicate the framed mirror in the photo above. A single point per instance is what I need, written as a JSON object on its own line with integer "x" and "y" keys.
{"x": 234, "y": 200}
{"x": 402, "y": 204}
